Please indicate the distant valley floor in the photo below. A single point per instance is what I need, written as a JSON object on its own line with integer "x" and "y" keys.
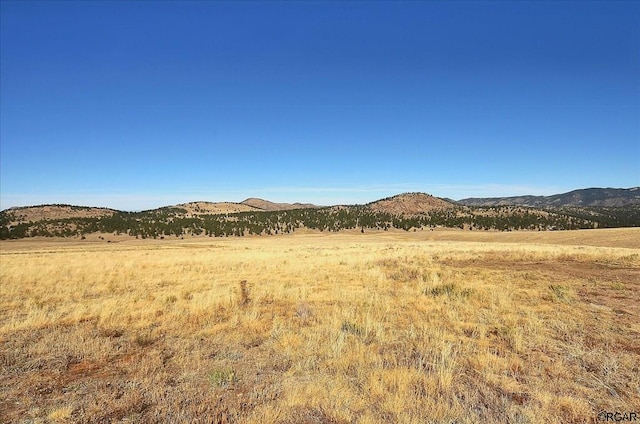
{"x": 605, "y": 237}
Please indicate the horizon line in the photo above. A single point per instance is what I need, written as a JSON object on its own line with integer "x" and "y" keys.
{"x": 177, "y": 198}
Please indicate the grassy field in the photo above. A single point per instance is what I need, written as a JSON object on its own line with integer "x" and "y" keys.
{"x": 425, "y": 327}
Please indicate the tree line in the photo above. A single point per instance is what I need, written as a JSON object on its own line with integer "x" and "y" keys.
{"x": 174, "y": 222}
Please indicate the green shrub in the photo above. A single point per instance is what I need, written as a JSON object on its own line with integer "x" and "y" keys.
{"x": 223, "y": 377}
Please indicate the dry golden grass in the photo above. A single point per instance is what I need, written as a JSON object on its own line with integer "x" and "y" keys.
{"x": 366, "y": 328}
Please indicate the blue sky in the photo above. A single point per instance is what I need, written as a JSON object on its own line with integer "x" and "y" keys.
{"x": 135, "y": 105}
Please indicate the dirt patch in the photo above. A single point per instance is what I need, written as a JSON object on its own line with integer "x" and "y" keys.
{"x": 565, "y": 269}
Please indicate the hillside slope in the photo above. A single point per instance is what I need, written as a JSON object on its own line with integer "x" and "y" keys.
{"x": 51, "y": 212}
{"x": 214, "y": 208}
{"x": 410, "y": 204}
{"x": 609, "y": 197}
{"x": 408, "y": 211}
{"x": 267, "y": 205}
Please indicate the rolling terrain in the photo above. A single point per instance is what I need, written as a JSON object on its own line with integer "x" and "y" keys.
{"x": 407, "y": 211}
{"x": 408, "y": 309}
{"x": 267, "y": 205}
{"x": 53, "y": 212}
{"x": 589, "y": 197}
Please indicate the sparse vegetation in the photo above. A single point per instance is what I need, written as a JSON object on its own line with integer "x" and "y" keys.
{"x": 450, "y": 290}
{"x": 560, "y": 292}
{"x": 353, "y": 328}
{"x": 381, "y": 327}
{"x": 222, "y": 377}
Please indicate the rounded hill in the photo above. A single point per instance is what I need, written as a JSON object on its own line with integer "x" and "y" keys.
{"x": 267, "y": 205}
{"x": 410, "y": 204}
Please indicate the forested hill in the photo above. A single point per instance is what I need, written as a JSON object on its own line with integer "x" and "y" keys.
{"x": 410, "y": 212}
{"x": 588, "y": 197}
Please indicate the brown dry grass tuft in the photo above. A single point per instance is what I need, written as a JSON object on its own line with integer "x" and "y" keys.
{"x": 367, "y": 328}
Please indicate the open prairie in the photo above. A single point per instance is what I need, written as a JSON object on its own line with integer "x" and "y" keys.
{"x": 418, "y": 327}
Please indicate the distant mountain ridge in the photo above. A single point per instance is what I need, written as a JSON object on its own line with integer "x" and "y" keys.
{"x": 588, "y": 197}
{"x": 36, "y": 213}
{"x": 407, "y": 211}
{"x": 406, "y": 204}
{"x": 267, "y": 205}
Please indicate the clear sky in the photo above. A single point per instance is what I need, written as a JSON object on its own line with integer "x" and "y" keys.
{"x": 135, "y": 105}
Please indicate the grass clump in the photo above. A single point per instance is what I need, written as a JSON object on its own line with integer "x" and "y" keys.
{"x": 244, "y": 298}
{"x": 560, "y": 292}
{"x": 450, "y": 290}
{"x": 61, "y": 414}
{"x": 352, "y": 328}
{"x": 304, "y": 312}
{"x": 144, "y": 340}
{"x": 404, "y": 274}
{"x": 223, "y": 377}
